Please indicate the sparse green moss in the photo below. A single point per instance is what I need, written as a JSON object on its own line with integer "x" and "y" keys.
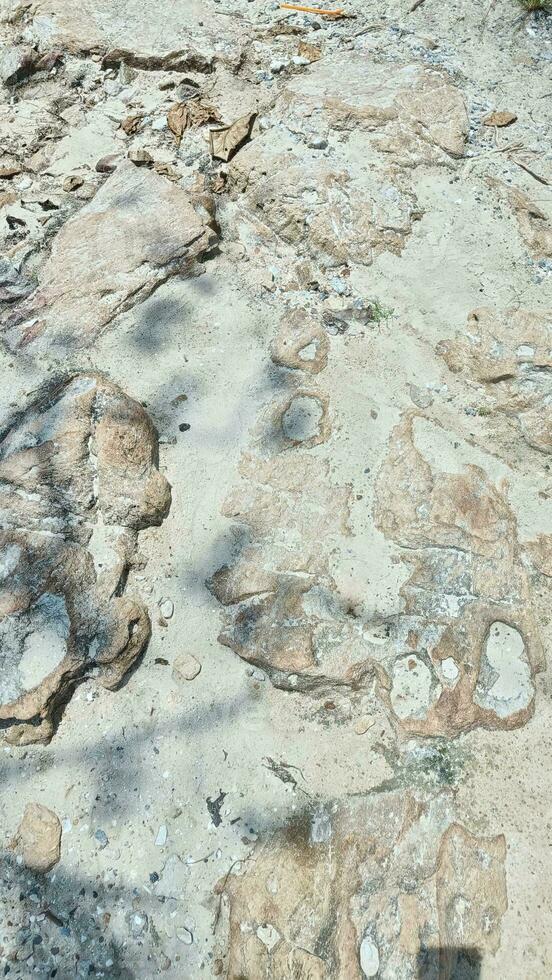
{"x": 378, "y": 312}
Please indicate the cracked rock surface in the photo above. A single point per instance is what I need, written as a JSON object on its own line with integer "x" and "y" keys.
{"x": 275, "y": 492}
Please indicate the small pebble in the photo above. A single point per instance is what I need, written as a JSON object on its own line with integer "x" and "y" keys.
{"x": 362, "y": 725}
{"x": 185, "y": 667}
{"x": 161, "y": 838}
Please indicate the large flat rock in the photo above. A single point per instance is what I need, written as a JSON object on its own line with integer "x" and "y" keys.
{"x": 138, "y": 230}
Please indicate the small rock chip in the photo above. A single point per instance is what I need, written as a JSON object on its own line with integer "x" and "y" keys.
{"x": 499, "y": 119}
{"x": 185, "y": 667}
{"x": 73, "y": 182}
{"x": 38, "y": 838}
{"x": 420, "y": 396}
{"x": 109, "y": 163}
{"x": 16, "y": 64}
{"x": 161, "y": 838}
{"x": 310, "y": 51}
{"x": 131, "y": 124}
{"x": 140, "y": 157}
{"x": 362, "y": 725}
{"x": 102, "y": 838}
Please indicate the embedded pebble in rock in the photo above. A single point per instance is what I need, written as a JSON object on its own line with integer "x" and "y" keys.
{"x": 414, "y": 688}
{"x": 369, "y": 957}
{"x": 449, "y": 670}
{"x": 504, "y": 683}
{"x": 269, "y": 936}
{"x": 185, "y": 667}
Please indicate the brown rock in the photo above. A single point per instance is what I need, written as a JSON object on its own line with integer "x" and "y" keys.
{"x": 79, "y": 462}
{"x": 73, "y": 183}
{"x": 499, "y": 119}
{"x": 38, "y": 838}
{"x": 510, "y": 353}
{"x": 468, "y": 592}
{"x": 138, "y": 230}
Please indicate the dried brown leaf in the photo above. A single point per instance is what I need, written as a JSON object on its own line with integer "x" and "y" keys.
{"x": 310, "y": 51}
{"x": 194, "y": 112}
{"x": 226, "y": 140}
{"x": 131, "y": 124}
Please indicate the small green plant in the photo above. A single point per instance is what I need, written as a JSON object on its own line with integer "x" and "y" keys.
{"x": 531, "y": 5}
{"x": 378, "y": 313}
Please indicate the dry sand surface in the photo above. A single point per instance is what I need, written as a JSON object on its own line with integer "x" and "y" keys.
{"x": 275, "y": 490}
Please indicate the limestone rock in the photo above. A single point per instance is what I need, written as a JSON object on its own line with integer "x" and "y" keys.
{"x": 382, "y": 891}
{"x": 319, "y": 205}
{"x": 186, "y": 667}
{"x": 146, "y": 35}
{"x": 467, "y": 599}
{"x": 38, "y": 838}
{"x": 78, "y": 481}
{"x": 510, "y": 353}
{"x": 138, "y": 230}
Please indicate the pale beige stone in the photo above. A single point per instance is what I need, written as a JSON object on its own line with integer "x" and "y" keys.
{"x": 38, "y": 838}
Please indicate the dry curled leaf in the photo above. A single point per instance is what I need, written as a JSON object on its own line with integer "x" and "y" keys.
{"x": 226, "y": 140}
{"x": 183, "y": 115}
{"x": 131, "y": 124}
{"x": 310, "y": 51}
{"x": 166, "y": 170}
{"x": 499, "y": 119}
{"x": 218, "y": 183}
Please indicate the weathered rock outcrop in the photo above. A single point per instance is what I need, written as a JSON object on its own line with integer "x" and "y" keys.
{"x": 139, "y": 230}
{"x": 510, "y": 353}
{"x": 390, "y": 888}
{"x": 467, "y": 643}
{"x": 148, "y": 35}
{"x": 394, "y": 120}
{"x": 78, "y": 480}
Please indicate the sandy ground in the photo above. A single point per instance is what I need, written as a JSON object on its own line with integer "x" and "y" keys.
{"x": 354, "y": 784}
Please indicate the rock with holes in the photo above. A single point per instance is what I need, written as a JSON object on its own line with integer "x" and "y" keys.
{"x": 78, "y": 480}
{"x": 466, "y": 645}
{"x": 138, "y": 230}
{"x": 388, "y": 890}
